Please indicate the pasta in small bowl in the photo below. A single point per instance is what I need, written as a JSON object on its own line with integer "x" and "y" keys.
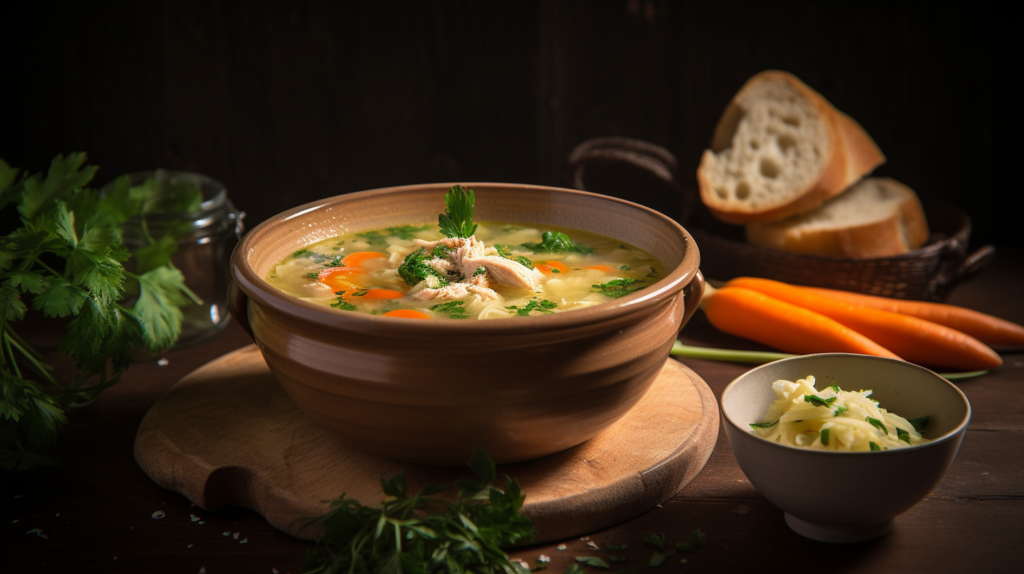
{"x": 869, "y": 435}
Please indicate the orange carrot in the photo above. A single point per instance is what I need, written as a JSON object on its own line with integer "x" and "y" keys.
{"x": 758, "y": 317}
{"x": 986, "y": 328}
{"x": 914, "y": 339}
{"x": 407, "y": 314}
{"x": 338, "y": 278}
{"x": 370, "y": 294}
{"x": 604, "y": 268}
{"x": 549, "y": 267}
{"x": 356, "y": 259}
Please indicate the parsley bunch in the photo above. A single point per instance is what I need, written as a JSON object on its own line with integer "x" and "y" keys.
{"x": 420, "y": 533}
{"x": 66, "y": 260}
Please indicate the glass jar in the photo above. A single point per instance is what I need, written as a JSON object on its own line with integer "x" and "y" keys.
{"x": 205, "y": 238}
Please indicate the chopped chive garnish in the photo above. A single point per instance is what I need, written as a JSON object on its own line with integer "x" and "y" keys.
{"x": 824, "y": 436}
{"x": 920, "y": 423}
{"x": 874, "y": 447}
{"x": 764, "y": 425}
{"x": 818, "y": 401}
{"x": 902, "y": 435}
{"x": 834, "y": 388}
{"x": 877, "y": 424}
{"x": 840, "y": 409}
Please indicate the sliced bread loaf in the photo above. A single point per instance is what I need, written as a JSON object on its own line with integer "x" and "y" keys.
{"x": 780, "y": 149}
{"x": 878, "y": 217}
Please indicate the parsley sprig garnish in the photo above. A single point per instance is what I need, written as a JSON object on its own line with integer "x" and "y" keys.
{"x": 558, "y": 242}
{"x": 457, "y": 220}
{"x": 415, "y": 269}
{"x": 424, "y": 533}
{"x": 67, "y": 260}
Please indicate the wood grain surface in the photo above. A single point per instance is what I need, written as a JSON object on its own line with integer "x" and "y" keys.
{"x": 228, "y": 434}
{"x": 96, "y": 507}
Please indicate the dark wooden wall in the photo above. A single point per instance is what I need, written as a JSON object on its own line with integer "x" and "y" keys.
{"x": 286, "y": 102}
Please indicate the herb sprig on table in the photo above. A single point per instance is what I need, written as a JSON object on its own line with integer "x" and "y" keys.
{"x": 66, "y": 260}
{"x": 421, "y": 533}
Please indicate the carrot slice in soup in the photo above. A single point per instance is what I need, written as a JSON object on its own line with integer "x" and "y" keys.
{"x": 407, "y": 314}
{"x": 359, "y": 257}
{"x": 339, "y": 278}
{"x": 549, "y": 267}
{"x": 604, "y": 268}
{"x": 370, "y": 294}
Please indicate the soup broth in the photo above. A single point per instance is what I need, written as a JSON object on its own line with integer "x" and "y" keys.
{"x": 502, "y": 270}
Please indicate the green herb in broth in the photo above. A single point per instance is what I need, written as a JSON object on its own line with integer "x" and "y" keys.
{"x": 556, "y": 242}
{"x": 415, "y": 269}
{"x": 457, "y": 220}
{"x": 544, "y": 306}
{"x": 453, "y": 309}
{"x": 618, "y": 287}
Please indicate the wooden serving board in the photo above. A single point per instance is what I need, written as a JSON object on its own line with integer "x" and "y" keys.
{"x": 228, "y": 434}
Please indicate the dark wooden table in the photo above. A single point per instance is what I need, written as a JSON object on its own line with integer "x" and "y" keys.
{"x": 94, "y": 511}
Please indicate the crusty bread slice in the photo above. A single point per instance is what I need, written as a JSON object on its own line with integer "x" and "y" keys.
{"x": 878, "y": 217}
{"x": 780, "y": 149}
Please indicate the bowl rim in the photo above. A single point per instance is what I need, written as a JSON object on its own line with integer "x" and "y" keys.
{"x": 256, "y": 288}
{"x": 959, "y": 429}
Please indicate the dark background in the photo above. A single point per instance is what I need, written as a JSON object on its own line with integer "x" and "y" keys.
{"x": 287, "y": 102}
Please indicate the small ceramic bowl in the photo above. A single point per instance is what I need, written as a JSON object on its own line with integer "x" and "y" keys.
{"x": 431, "y": 391}
{"x": 838, "y": 496}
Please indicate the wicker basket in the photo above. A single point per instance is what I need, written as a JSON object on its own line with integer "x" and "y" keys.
{"x": 929, "y": 273}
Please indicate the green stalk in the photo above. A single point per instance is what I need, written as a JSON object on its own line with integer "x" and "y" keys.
{"x": 762, "y": 357}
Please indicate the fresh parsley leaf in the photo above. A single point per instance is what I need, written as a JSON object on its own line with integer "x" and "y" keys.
{"x": 696, "y": 540}
{"x": 407, "y": 231}
{"x": 65, "y": 174}
{"x": 311, "y": 275}
{"x": 415, "y": 269}
{"x": 614, "y": 547}
{"x": 422, "y": 533}
{"x": 818, "y": 401}
{"x": 457, "y": 219}
{"x": 161, "y": 296}
{"x": 877, "y": 424}
{"x": 763, "y": 425}
{"x": 503, "y": 250}
{"x": 558, "y": 242}
{"x": 574, "y": 569}
{"x": 655, "y": 539}
{"x": 659, "y": 558}
{"x": 479, "y": 271}
{"x": 920, "y": 423}
{"x": 544, "y": 306}
{"x": 624, "y": 268}
{"x": 343, "y": 305}
{"x": 441, "y": 252}
{"x": 525, "y": 262}
{"x": 617, "y": 287}
{"x": 594, "y": 561}
{"x": 453, "y": 309}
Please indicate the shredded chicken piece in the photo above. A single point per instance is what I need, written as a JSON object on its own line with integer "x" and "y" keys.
{"x": 505, "y": 271}
{"x": 456, "y": 291}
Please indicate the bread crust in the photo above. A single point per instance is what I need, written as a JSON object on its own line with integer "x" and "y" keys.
{"x": 852, "y": 155}
{"x": 904, "y": 230}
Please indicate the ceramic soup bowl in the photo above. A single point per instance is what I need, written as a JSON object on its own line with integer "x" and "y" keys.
{"x": 847, "y": 496}
{"x": 431, "y": 391}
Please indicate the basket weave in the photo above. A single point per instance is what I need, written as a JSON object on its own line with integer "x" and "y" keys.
{"x": 929, "y": 273}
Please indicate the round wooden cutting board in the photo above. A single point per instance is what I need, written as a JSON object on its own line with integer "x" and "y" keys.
{"x": 228, "y": 434}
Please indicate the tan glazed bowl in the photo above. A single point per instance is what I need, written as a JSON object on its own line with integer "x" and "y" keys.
{"x": 431, "y": 391}
{"x": 846, "y": 497}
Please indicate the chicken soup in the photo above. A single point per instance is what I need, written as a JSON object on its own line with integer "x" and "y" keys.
{"x": 459, "y": 269}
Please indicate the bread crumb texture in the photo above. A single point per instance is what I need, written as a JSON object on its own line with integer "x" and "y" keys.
{"x": 778, "y": 149}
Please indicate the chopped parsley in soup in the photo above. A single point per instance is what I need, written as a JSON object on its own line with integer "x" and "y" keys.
{"x": 459, "y": 269}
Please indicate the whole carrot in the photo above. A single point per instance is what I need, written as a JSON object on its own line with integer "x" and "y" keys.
{"x": 914, "y": 339}
{"x": 986, "y": 328}
{"x": 784, "y": 326}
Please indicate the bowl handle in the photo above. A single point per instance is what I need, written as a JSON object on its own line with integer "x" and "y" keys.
{"x": 238, "y": 305}
{"x": 693, "y": 294}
